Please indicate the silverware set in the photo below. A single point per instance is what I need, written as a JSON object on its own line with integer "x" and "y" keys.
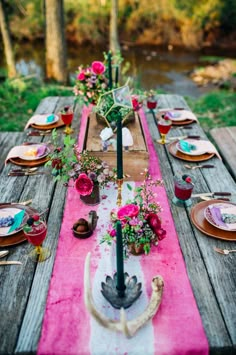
{"x": 37, "y": 133}
{"x": 184, "y": 137}
{"x": 26, "y": 172}
{"x": 8, "y": 262}
{"x": 204, "y": 166}
{"x": 224, "y": 251}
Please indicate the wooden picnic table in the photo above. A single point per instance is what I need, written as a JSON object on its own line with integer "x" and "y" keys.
{"x": 23, "y": 289}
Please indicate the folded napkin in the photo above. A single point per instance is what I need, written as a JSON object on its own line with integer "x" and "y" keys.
{"x": 224, "y": 216}
{"x": 45, "y": 118}
{"x": 179, "y": 115}
{"x": 18, "y": 218}
{"x": 36, "y": 150}
{"x": 198, "y": 147}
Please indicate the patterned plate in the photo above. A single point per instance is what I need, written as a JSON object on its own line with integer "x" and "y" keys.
{"x": 183, "y": 156}
{"x": 210, "y": 218}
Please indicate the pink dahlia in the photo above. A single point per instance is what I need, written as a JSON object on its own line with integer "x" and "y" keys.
{"x": 98, "y": 67}
{"x": 129, "y": 211}
{"x": 155, "y": 224}
{"x": 84, "y": 185}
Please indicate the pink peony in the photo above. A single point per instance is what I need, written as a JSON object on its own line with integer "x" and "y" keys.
{"x": 128, "y": 211}
{"x": 81, "y": 76}
{"x": 98, "y": 67}
{"x": 84, "y": 185}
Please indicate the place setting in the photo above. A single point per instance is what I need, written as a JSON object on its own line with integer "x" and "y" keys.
{"x": 45, "y": 122}
{"x": 178, "y": 116}
{"x": 13, "y": 216}
{"x": 29, "y": 155}
{"x": 193, "y": 150}
{"x": 215, "y": 218}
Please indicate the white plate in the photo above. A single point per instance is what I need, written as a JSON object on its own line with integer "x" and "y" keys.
{"x": 197, "y": 151}
{"x": 11, "y": 211}
{"x": 212, "y": 221}
{"x": 41, "y": 120}
{"x": 33, "y": 157}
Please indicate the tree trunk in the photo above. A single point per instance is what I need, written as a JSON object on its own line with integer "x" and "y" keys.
{"x": 8, "y": 49}
{"x": 56, "y": 56}
{"x": 114, "y": 42}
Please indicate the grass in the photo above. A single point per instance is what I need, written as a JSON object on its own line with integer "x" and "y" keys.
{"x": 20, "y": 97}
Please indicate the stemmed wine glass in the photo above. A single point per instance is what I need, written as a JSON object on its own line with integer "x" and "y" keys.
{"x": 67, "y": 116}
{"x": 164, "y": 125}
{"x": 35, "y": 231}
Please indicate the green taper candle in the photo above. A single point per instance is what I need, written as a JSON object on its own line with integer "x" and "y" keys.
{"x": 119, "y": 260}
{"x": 109, "y": 70}
{"x": 119, "y": 148}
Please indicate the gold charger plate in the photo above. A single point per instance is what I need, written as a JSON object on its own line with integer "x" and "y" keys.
{"x": 192, "y": 158}
{"x": 200, "y": 222}
{"x": 18, "y": 237}
{"x": 57, "y": 124}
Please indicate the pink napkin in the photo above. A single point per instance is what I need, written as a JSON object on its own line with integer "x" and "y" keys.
{"x": 181, "y": 115}
{"x": 34, "y": 119}
{"x": 202, "y": 147}
{"x": 21, "y": 150}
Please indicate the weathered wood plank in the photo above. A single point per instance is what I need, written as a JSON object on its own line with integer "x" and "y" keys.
{"x": 204, "y": 266}
{"x": 225, "y": 139}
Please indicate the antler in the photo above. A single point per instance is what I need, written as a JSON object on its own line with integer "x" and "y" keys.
{"x": 128, "y": 328}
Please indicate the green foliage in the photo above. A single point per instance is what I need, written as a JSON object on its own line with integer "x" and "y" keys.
{"x": 216, "y": 109}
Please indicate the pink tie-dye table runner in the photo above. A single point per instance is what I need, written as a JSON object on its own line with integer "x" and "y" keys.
{"x": 67, "y": 326}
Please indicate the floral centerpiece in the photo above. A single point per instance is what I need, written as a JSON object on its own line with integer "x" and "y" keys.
{"x": 140, "y": 220}
{"x": 68, "y": 163}
{"x": 91, "y": 82}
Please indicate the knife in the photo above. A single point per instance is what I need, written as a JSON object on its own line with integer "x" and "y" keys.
{"x": 36, "y": 133}
{"x": 184, "y": 137}
{"x": 10, "y": 263}
{"x": 208, "y": 198}
{"x": 212, "y": 194}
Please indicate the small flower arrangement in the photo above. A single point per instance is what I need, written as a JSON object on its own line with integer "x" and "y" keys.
{"x": 67, "y": 163}
{"x": 141, "y": 224}
{"x": 91, "y": 82}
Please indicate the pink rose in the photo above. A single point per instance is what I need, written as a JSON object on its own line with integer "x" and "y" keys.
{"x": 84, "y": 185}
{"x": 81, "y": 76}
{"x": 98, "y": 67}
{"x": 127, "y": 211}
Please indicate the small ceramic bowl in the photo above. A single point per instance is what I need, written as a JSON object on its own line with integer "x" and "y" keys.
{"x": 87, "y": 227}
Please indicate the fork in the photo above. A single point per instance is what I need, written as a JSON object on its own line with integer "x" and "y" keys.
{"x": 224, "y": 251}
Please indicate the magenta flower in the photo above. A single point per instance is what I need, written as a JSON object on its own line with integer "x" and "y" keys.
{"x": 84, "y": 185}
{"x": 129, "y": 211}
{"x": 81, "y": 76}
{"x": 155, "y": 224}
{"x": 98, "y": 67}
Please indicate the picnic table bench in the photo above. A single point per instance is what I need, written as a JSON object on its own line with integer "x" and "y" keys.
{"x": 23, "y": 290}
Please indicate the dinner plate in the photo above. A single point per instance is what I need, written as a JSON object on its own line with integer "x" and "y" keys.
{"x": 32, "y": 149}
{"x": 19, "y": 236}
{"x": 10, "y": 210}
{"x": 218, "y": 223}
{"x": 57, "y": 124}
{"x": 186, "y": 157}
{"x": 41, "y": 120}
{"x": 198, "y": 151}
{"x": 200, "y": 222}
{"x": 176, "y": 122}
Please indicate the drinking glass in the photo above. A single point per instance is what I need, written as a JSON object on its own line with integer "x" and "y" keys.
{"x": 151, "y": 104}
{"x": 164, "y": 125}
{"x": 35, "y": 234}
{"x": 67, "y": 118}
{"x": 183, "y": 191}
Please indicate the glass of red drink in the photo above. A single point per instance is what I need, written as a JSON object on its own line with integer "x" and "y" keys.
{"x": 164, "y": 125}
{"x": 183, "y": 188}
{"x": 35, "y": 231}
{"x": 67, "y": 116}
{"x": 151, "y": 104}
